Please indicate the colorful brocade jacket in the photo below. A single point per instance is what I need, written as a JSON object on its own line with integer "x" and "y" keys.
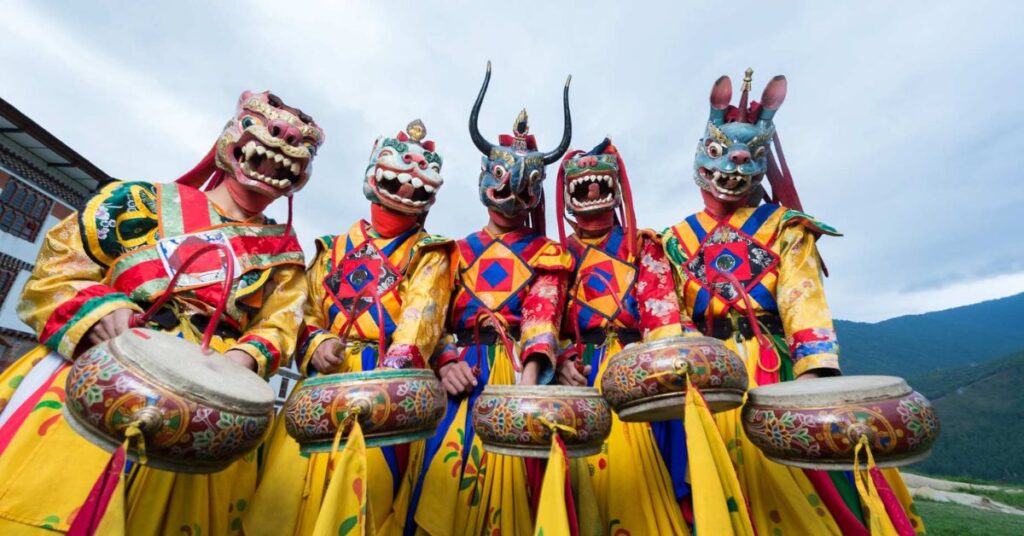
{"x": 614, "y": 292}
{"x": 770, "y": 252}
{"x": 122, "y": 249}
{"x": 409, "y": 273}
{"x": 521, "y": 277}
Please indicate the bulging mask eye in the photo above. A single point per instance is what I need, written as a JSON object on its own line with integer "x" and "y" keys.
{"x": 499, "y": 172}
{"x": 248, "y": 121}
{"x": 714, "y": 149}
{"x": 760, "y": 151}
{"x": 535, "y": 176}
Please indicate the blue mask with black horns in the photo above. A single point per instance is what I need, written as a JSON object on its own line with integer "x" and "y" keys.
{"x": 512, "y": 172}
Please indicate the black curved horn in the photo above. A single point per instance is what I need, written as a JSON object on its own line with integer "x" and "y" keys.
{"x": 553, "y": 156}
{"x": 474, "y": 128}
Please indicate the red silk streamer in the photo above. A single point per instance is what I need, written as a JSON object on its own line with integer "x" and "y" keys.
{"x": 570, "y": 502}
{"x": 765, "y": 374}
{"x": 535, "y": 468}
{"x": 848, "y": 523}
{"x": 781, "y": 180}
{"x": 229, "y": 278}
{"x": 87, "y": 521}
{"x": 897, "y": 515}
{"x": 626, "y": 206}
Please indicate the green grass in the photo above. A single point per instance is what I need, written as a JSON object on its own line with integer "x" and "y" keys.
{"x": 945, "y": 519}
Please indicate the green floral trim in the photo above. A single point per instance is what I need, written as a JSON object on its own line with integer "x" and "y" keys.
{"x": 796, "y": 217}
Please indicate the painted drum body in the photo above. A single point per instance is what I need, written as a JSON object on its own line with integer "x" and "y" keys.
{"x": 393, "y": 406}
{"x": 646, "y": 382}
{"x": 816, "y": 423}
{"x": 198, "y": 411}
{"x": 516, "y": 419}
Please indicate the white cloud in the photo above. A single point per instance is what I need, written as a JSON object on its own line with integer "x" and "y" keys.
{"x": 901, "y": 125}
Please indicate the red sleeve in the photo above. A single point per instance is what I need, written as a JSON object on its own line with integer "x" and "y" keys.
{"x": 542, "y": 312}
{"x": 660, "y": 314}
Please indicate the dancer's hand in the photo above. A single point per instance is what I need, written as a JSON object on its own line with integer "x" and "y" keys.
{"x": 457, "y": 378}
{"x": 809, "y": 375}
{"x": 570, "y": 374}
{"x": 108, "y": 327}
{"x": 328, "y": 356}
{"x": 242, "y": 358}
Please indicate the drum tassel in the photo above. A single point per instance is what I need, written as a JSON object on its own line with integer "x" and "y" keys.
{"x": 887, "y": 516}
{"x": 134, "y": 434}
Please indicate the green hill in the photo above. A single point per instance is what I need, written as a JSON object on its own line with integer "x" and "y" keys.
{"x": 981, "y": 408}
{"x": 913, "y": 345}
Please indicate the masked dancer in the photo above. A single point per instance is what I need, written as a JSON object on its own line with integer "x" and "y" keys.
{"x": 101, "y": 266}
{"x": 622, "y": 293}
{"x": 408, "y": 271}
{"x": 510, "y": 281}
{"x": 748, "y": 272}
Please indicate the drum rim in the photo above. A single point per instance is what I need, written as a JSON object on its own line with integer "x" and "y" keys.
{"x": 880, "y": 462}
{"x": 314, "y": 446}
{"x": 630, "y": 411}
{"x": 229, "y": 403}
{"x": 542, "y": 451}
{"x": 658, "y": 344}
{"x": 541, "y": 391}
{"x": 369, "y": 375}
{"x": 154, "y": 459}
{"x": 766, "y": 395}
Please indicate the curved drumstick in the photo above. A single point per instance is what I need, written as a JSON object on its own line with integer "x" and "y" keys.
{"x": 139, "y": 320}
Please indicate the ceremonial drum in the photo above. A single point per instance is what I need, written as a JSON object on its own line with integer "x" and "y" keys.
{"x": 197, "y": 410}
{"x": 817, "y": 423}
{"x": 646, "y": 382}
{"x": 392, "y": 406}
{"x": 518, "y": 420}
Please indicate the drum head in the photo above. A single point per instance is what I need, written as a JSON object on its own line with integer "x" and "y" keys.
{"x": 183, "y": 367}
{"x": 829, "y": 392}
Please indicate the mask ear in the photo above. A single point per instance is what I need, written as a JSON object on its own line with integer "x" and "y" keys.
{"x": 246, "y": 95}
{"x": 771, "y": 99}
{"x": 721, "y": 95}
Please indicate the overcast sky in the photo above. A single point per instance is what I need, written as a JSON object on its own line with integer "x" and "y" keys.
{"x": 903, "y": 125}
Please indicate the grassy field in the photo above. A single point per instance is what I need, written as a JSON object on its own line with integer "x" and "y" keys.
{"x": 945, "y": 519}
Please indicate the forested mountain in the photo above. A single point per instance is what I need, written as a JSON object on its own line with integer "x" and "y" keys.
{"x": 981, "y": 410}
{"x": 969, "y": 361}
{"x": 913, "y": 345}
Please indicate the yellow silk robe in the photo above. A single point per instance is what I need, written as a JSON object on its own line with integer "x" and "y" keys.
{"x": 91, "y": 264}
{"x": 415, "y": 303}
{"x": 782, "y": 272}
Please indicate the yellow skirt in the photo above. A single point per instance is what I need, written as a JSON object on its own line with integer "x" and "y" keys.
{"x": 44, "y": 454}
{"x": 465, "y": 490}
{"x": 630, "y": 465}
{"x": 291, "y": 490}
{"x": 782, "y": 499}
